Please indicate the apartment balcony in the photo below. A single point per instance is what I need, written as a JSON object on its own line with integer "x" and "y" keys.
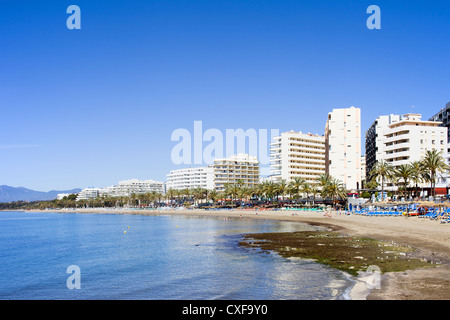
{"x": 401, "y": 145}
{"x": 401, "y": 154}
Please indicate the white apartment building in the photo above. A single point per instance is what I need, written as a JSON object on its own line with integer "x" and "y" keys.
{"x": 296, "y": 154}
{"x": 237, "y": 167}
{"x": 343, "y": 146}
{"x": 201, "y": 177}
{"x": 124, "y": 188}
{"x": 408, "y": 140}
{"x": 89, "y": 193}
{"x": 61, "y": 196}
{"x": 128, "y": 187}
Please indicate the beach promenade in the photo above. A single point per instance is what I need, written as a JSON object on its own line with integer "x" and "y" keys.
{"x": 430, "y": 238}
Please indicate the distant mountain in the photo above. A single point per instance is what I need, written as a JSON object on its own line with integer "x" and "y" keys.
{"x": 8, "y": 194}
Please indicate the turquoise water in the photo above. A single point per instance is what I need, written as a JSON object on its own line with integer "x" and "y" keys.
{"x": 159, "y": 257}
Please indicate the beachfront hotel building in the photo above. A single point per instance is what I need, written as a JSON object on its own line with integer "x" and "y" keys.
{"x": 89, "y": 193}
{"x": 296, "y": 154}
{"x": 236, "y": 168}
{"x": 343, "y": 146}
{"x": 135, "y": 186}
{"x": 201, "y": 177}
{"x": 374, "y": 140}
{"x": 124, "y": 188}
{"x": 408, "y": 140}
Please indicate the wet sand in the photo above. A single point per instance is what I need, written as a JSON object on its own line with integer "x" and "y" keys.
{"x": 431, "y": 239}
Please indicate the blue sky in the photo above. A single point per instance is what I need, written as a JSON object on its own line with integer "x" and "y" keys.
{"x": 94, "y": 106}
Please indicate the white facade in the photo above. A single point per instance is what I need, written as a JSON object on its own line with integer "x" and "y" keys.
{"x": 343, "y": 146}
{"x": 237, "y": 167}
{"x": 126, "y": 188}
{"x": 408, "y": 140}
{"x": 296, "y": 154}
{"x": 363, "y": 168}
{"x": 201, "y": 177}
{"x": 60, "y": 196}
{"x": 89, "y": 193}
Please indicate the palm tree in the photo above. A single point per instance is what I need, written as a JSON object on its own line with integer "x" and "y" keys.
{"x": 404, "y": 172}
{"x": 199, "y": 194}
{"x": 170, "y": 193}
{"x": 314, "y": 191}
{"x": 213, "y": 195}
{"x": 434, "y": 163}
{"x": 295, "y": 185}
{"x": 282, "y": 188}
{"x": 186, "y": 194}
{"x": 417, "y": 174}
{"x": 269, "y": 189}
{"x": 323, "y": 179}
{"x": 232, "y": 190}
{"x": 335, "y": 189}
{"x": 382, "y": 170}
{"x": 306, "y": 188}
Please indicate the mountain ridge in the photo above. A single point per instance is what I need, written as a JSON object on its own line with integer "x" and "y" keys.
{"x": 9, "y": 194}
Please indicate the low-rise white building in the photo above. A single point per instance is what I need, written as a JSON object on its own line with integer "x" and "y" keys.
{"x": 188, "y": 178}
{"x": 61, "y": 196}
{"x": 124, "y": 188}
{"x": 135, "y": 186}
{"x": 89, "y": 193}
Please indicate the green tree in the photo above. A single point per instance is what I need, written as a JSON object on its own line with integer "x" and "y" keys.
{"x": 433, "y": 164}
{"x": 295, "y": 186}
{"x": 382, "y": 171}
{"x": 404, "y": 172}
{"x": 282, "y": 188}
{"x": 336, "y": 190}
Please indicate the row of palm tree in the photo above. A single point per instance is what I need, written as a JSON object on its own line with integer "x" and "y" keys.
{"x": 325, "y": 186}
{"x": 268, "y": 191}
{"x": 416, "y": 172}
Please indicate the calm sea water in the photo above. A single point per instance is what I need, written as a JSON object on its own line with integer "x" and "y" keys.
{"x": 159, "y": 257}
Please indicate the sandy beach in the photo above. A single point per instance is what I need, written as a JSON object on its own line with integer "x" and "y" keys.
{"x": 430, "y": 238}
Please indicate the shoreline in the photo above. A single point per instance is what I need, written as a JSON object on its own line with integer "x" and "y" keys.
{"x": 431, "y": 240}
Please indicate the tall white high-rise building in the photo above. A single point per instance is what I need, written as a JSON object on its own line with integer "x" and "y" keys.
{"x": 240, "y": 167}
{"x": 188, "y": 178}
{"x": 343, "y": 146}
{"x": 296, "y": 154}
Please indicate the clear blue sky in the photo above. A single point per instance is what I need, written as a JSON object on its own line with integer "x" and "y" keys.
{"x": 94, "y": 106}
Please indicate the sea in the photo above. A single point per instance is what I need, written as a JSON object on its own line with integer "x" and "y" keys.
{"x": 80, "y": 256}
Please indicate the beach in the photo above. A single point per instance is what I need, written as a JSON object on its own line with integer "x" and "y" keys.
{"x": 430, "y": 239}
